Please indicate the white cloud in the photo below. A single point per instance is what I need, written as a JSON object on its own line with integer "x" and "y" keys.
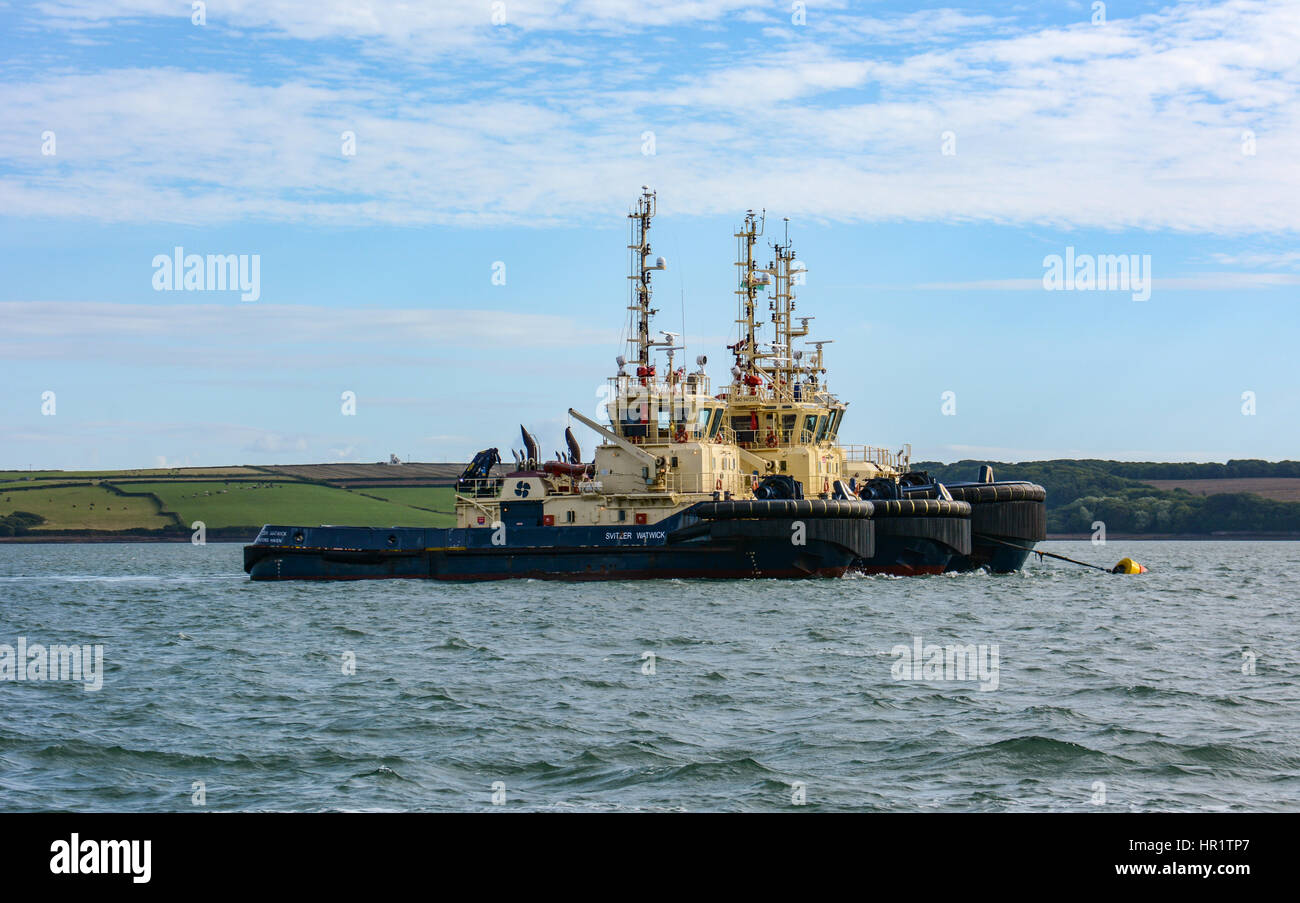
{"x": 1260, "y": 259}
{"x": 275, "y": 443}
{"x": 1136, "y": 124}
{"x": 1199, "y": 282}
{"x": 921, "y": 26}
{"x": 59, "y": 324}
{"x": 416, "y": 26}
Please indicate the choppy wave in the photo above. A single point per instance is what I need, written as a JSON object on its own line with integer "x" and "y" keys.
{"x": 1176, "y": 690}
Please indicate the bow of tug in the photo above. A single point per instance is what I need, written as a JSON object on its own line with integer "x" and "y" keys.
{"x": 1008, "y": 518}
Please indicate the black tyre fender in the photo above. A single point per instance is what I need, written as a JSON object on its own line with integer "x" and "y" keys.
{"x": 783, "y": 508}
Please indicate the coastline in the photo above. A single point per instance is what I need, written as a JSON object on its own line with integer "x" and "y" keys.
{"x": 1226, "y": 536}
{"x": 221, "y": 534}
{"x": 240, "y": 535}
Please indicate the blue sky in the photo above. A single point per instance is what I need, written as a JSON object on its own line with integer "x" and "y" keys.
{"x": 929, "y": 160}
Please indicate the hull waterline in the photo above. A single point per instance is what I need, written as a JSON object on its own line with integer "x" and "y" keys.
{"x": 682, "y": 547}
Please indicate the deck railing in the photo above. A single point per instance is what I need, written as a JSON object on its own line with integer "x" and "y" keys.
{"x": 881, "y": 457}
{"x": 480, "y": 488}
{"x": 762, "y": 438}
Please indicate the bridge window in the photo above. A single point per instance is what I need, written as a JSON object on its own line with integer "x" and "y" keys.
{"x": 835, "y": 424}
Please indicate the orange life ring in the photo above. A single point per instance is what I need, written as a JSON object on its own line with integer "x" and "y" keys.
{"x": 771, "y": 439}
{"x": 681, "y": 436}
{"x": 826, "y": 486}
{"x": 717, "y": 484}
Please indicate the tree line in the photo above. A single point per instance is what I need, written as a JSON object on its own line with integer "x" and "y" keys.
{"x": 1080, "y": 493}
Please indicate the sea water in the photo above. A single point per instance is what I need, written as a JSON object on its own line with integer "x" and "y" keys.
{"x": 1178, "y": 689}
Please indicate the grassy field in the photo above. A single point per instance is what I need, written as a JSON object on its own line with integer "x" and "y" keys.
{"x": 92, "y": 506}
{"x": 238, "y": 504}
{"x": 1280, "y": 489}
{"x": 237, "y": 498}
{"x": 87, "y": 507}
{"x": 363, "y": 474}
{"x": 68, "y": 476}
{"x": 229, "y": 497}
{"x": 437, "y": 498}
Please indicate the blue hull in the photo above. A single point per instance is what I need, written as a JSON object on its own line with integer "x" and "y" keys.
{"x": 996, "y": 559}
{"x": 678, "y": 547}
{"x": 738, "y": 540}
{"x": 903, "y": 556}
{"x": 918, "y": 536}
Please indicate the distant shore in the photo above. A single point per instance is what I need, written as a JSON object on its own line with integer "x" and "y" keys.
{"x": 1180, "y": 537}
{"x": 96, "y": 536}
{"x": 245, "y": 538}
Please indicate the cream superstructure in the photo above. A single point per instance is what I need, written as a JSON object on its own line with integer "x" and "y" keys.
{"x": 666, "y": 445}
{"x": 785, "y": 419}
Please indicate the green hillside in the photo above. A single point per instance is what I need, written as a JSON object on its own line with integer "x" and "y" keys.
{"x": 237, "y": 504}
{"x": 433, "y": 498}
{"x": 1080, "y": 493}
{"x": 232, "y": 502}
{"x": 84, "y": 507}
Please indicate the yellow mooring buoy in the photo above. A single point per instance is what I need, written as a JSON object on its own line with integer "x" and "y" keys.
{"x": 1128, "y": 566}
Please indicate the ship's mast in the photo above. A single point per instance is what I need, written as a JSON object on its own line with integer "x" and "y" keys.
{"x": 787, "y": 366}
{"x": 782, "y": 369}
{"x": 639, "y": 280}
{"x": 749, "y": 280}
{"x": 783, "y": 366}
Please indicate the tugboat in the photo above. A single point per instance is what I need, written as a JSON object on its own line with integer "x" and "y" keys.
{"x": 1008, "y": 518}
{"x": 786, "y": 424}
{"x": 666, "y": 494}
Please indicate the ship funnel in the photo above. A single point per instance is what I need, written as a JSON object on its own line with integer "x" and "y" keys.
{"x": 575, "y": 450}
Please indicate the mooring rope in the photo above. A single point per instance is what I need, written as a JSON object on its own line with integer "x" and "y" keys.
{"x": 1041, "y": 553}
